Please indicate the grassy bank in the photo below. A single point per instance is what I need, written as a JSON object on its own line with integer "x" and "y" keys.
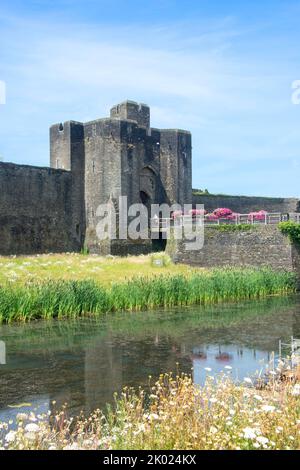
{"x": 173, "y": 414}
{"x": 74, "y": 266}
{"x": 74, "y": 298}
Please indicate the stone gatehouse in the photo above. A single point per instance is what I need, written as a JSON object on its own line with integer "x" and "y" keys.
{"x": 55, "y": 209}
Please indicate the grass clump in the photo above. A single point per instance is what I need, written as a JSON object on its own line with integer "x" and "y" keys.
{"x": 172, "y": 414}
{"x": 57, "y": 299}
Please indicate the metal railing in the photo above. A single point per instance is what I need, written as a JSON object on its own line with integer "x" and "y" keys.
{"x": 269, "y": 218}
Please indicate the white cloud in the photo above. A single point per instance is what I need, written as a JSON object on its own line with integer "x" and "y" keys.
{"x": 194, "y": 75}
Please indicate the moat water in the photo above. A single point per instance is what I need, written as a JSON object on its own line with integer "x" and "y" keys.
{"x": 83, "y": 362}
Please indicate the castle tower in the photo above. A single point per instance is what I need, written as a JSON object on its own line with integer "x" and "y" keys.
{"x": 67, "y": 153}
{"x": 121, "y": 156}
{"x": 132, "y": 111}
{"x": 176, "y": 165}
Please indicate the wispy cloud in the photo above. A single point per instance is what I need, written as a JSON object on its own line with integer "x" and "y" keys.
{"x": 205, "y": 75}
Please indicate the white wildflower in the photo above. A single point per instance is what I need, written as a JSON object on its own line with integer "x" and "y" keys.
{"x": 32, "y": 427}
{"x": 10, "y": 436}
{"x": 296, "y": 390}
{"x": 32, "y": 417}
{"x": 86, "y": 443}
{"x": 262, "y": 440}
{"x": 73, "y": 446}
{"x": 249, "y": 433}
{"x": 258, "y": 397}
{"x": 268, "y": 408}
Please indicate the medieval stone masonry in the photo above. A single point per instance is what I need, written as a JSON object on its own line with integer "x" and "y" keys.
{"x": 55, "y": 209}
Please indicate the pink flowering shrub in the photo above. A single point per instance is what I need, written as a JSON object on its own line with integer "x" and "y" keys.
{"x": 259, "y": 216}
{"x": 195, "y": 212}
{"x": 232, "y": 216}
{"x": 222, "y": 213}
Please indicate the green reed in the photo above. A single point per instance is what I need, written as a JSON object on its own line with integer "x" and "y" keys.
{"x": 57, "y": 299}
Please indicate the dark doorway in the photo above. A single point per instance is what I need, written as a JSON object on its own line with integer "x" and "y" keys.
{"x": 146, "y": 201}
{"x": 159, "y": 244}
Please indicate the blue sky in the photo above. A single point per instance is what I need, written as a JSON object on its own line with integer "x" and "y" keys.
{"x": 222, "y": 69}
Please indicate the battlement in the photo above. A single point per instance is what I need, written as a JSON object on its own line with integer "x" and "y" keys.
{"x": 133, "y": 111}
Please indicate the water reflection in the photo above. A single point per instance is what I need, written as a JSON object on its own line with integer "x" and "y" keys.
{"x": 84, "y": 362}
{"x": 240, "y": 361}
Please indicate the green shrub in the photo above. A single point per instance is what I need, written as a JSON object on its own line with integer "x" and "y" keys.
{"x": 292, "y": 229}
{"x": 234, "y": 227}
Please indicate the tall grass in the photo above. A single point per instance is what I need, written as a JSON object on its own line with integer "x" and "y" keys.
{"x": 56, "y": 299}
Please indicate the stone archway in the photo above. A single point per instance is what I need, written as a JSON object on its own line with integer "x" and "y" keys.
{"x": 148, "y": 183}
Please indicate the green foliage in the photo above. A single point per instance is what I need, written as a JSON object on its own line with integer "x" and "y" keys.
{"x": 200, "y": 192}
{"x": 57, "y": 299}
{"x": 234, "y": 227}
{"x": 292, "y": 229}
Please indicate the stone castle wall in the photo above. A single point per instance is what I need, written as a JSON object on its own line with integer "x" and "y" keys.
{"x": 55, "y": 209}
{"x": 36, "y": 213}
{"x": 246, "y": 204}
{"x": 263, "y": 245}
